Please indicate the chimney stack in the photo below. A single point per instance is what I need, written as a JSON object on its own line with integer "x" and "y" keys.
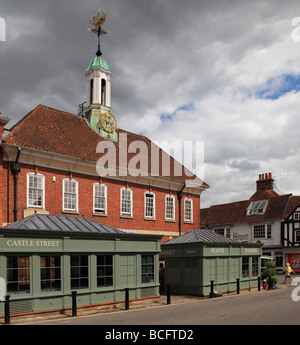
{"x": 265, "y": 182}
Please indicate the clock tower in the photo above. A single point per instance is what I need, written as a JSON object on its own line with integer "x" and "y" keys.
{"x": 98, "y": 74}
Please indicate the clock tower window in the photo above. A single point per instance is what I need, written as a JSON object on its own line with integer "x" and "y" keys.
{"x": 103, "y": 92}
{"x": 91, "y": 91}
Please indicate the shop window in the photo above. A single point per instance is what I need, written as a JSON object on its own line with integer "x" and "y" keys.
{"x": 126, "y": 202}
{"x": 279, "y": 259}
{"x": 147, "y": 268}
{"x": 255, "y": 266}
{"x": 70, "y": 195}
{"x": 100, "y": 198}
{"x": 50, "y": 273}
{"x": 245, "y": 266}
{"x": 79, "y": 272}
{"x": 188, "y": 210}
{"x": 35, "y": 190}
{"x": 104, "y": 270}
{"x": 18, "y": 274}
{"x": 170, "y": 207}
{"x": 149, "y": 205}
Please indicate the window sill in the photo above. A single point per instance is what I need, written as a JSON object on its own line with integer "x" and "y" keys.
{"x": 170, "y": 221}
{"x": 126, "y": 217}
{"x": 100, "y": 214}
{"x": 151, "y": 219}
{"x": 70, "y": 212}
{"x": 188, "y": 222}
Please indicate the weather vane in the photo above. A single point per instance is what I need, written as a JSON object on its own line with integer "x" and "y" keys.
{"x": 98, "y": 21}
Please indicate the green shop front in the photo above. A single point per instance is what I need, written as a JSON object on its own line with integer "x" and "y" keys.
{"x": 198, "y": 257}
{"x": 43, "y": 258}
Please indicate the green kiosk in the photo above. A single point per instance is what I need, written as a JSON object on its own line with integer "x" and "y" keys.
{"x": 199, "y": 257}
{"x": 43, "y": 258}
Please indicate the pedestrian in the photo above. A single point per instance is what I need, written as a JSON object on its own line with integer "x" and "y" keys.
{"x": 288, "y": 270}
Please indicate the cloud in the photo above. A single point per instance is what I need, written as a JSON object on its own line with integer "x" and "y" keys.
{"x": 222, "y": 72}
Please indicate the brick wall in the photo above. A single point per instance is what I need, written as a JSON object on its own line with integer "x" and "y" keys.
{"x": 54, "y": 200}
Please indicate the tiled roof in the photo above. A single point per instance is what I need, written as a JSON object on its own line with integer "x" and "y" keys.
{"x": 278, "y": 207}
{"x": 46, "y": 222}
{"x": 54, "y": 131}
{"x": 200, "y": 236}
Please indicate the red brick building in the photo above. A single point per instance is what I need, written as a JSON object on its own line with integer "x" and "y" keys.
{"x": 50, "y": 162}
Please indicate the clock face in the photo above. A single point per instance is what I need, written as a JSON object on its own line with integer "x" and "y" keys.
{"x": 108, "y": 122}
{"x": 104, "y": 123}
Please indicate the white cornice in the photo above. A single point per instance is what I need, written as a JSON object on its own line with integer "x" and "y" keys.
{"x": 70, "y": 164}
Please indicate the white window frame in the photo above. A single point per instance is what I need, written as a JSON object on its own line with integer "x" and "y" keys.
{"x": 296, "y": 215}
{"x": 191, "y": 209}
{"x": 96, "y": 210}
{"x": 32, "y": 174}
{"x": 173, "y": 208}
{"x": 126, "y": 214}
{"x": 267, "y": 230}
{"x": 76, "y": 195}
{"x": 257, "y": 207}
{"x": 153, "y": 207}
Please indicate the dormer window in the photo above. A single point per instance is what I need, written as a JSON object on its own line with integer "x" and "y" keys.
{"x": 257, "y": 207}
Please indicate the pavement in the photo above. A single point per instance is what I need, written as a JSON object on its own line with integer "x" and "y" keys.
{"x": 175, "y": 299}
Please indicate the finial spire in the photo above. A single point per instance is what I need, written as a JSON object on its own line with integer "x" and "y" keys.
{"x": 97, "y": 22}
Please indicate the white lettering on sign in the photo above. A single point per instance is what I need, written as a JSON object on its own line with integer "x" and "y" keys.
{"x": 250, "y": 250}
{"x": 217, "y": 250}
{"x": 32, "y": 243}
{"x": 168, "y": 252}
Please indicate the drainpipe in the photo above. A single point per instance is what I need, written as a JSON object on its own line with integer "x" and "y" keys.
{"x": 179, "y": 196}
{"x": 15, "y": 168}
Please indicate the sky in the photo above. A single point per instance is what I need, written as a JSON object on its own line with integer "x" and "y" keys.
{"x": 223, "y": 73}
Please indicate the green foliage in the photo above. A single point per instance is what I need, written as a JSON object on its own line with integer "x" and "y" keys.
{"x": 270, "y": 270}
{"x": 273, "y": 280}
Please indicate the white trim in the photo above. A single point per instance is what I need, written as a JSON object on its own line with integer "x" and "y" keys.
{"x": 173, "y": 210}
{"x": 52, "y": 160}
{"x": 105, "y": 198}
{"x": 154, "y": 208}
{"x": 43, "y": 189}
{"x": 76, "y": 195}
{"x": 131, "y": 203}
{"x": 192, "y": 210}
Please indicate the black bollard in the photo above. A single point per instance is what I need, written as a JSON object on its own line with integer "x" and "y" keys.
{"x": 237, "y": 286}
{"x": 211, "y": 295}
{"x": 6, "y": 310}
{"x": 74, "y": 303}
{"x": 126, "y": 298}
{"x": 168, "y": 295}
{"x": 258, "y": 284}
